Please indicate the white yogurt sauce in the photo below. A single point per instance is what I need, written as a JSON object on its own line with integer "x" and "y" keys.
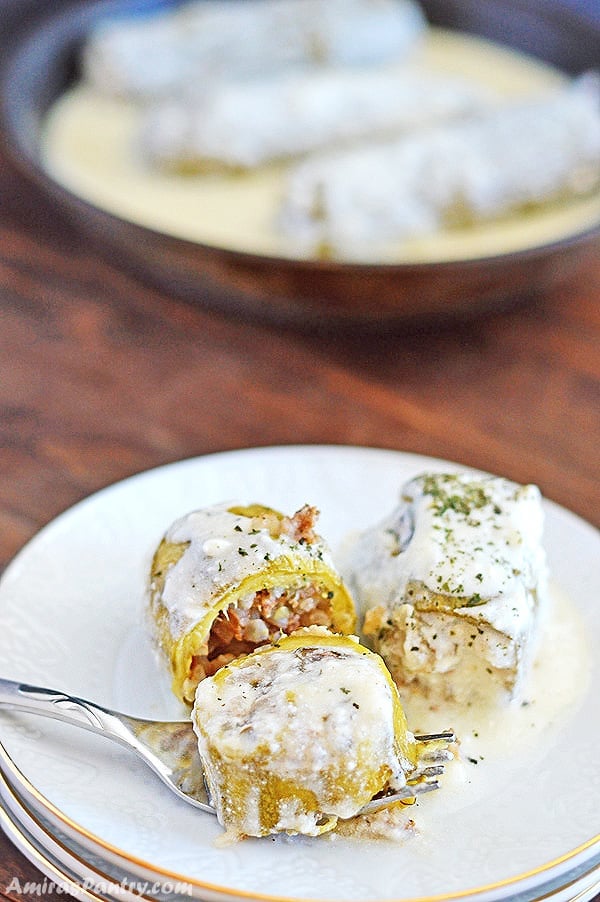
{"x": 224, "y": 549}
{"x": 477, "y": 538}
{"x": 283, "y": 699}
{"x": 320, "y": 710}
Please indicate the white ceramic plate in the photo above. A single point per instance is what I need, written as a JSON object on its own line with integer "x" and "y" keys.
{"x": 70, "y": 618}
{"x": 66, "y": 863}
{"x": 59, "y": 862}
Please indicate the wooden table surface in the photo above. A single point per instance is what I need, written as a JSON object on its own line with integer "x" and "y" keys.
{"x": 101, "y": 377}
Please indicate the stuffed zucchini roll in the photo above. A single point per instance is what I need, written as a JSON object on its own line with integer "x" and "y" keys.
{"x": 183, "y": 49}
{"x": 451, "y": 586}
{"x": 297, "y": 735}
{"x": 226, "y": 579}
{"x": 367, "y": 199}
{"x": 240, "y": 126}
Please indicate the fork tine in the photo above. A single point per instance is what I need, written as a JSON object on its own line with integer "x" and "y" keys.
{"x": 407, "y": 792}
{"x": 426, "y": 772}
{"x": 438, "y": 757}
{"x": 435, "y": 746}
{"x": 423, "y": 779}
{"x": 446, "y": 736}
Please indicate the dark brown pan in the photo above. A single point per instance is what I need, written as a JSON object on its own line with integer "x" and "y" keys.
{"x": 299, "y": 292}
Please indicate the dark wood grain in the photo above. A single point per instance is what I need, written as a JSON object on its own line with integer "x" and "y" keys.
{"x": 101, "y": 377}
{"x": 316, "y": 293}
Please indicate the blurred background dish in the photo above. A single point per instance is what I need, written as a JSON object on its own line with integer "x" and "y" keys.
{"x": 233, "y": 255}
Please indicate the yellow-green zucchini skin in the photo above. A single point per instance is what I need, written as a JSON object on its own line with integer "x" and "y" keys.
{"x": 214, "y": 561}
{"x": 297, "y": 735}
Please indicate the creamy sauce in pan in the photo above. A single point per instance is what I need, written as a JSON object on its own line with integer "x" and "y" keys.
{"x": 90, "y": 147}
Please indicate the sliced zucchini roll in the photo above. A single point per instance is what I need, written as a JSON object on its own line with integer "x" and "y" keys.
{"x": 297, "y": 735}
{"x": 451, "y": 586}
{"x": 227, "y": 579}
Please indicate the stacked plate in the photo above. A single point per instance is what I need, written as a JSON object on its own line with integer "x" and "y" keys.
{"x": 522, "y": 825}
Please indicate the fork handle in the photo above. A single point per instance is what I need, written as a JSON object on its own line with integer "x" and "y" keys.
{"x": 59, "y": 706}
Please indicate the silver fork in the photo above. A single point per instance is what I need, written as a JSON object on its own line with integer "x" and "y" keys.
{"x": 170, "y": 747}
